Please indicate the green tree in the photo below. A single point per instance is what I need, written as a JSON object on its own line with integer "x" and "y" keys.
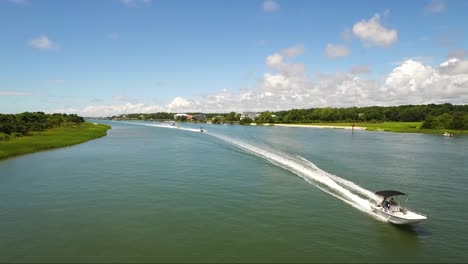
{"x": 232, "y": 117}
{"x": 245, "y": 121}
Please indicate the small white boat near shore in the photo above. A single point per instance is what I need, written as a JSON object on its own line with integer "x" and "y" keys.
{"x": 394, "y": 211}
{"x": 447, "y": 134}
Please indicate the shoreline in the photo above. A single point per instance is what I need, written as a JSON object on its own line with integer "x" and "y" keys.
{"x": 321, "y": 126}
{"x": 53, "y": 138}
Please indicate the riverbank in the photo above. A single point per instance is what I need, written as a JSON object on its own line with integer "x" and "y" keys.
{"x": 322, "y": 126}
{"x": 52, "y": 138}
{"x": 400, "y": 127}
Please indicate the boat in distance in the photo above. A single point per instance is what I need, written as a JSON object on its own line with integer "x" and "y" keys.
{"x": 394, "y": 211}
{"x": 447, "y": 134}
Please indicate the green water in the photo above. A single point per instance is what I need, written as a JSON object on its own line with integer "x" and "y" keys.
{"x": 148, "y": 194}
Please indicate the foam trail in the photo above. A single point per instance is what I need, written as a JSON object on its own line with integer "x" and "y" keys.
{"x": 165, "y": 126}
{"x": 331, "y": 184}
{"x": 308, "y": 173}
{"x": 349, "y": 184}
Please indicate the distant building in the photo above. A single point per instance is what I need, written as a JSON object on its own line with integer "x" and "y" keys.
{"x": 180, "y": 116}
{"x": 251, "y": 115}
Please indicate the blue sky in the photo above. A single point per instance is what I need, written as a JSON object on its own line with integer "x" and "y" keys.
{"x": 119, "y": 56}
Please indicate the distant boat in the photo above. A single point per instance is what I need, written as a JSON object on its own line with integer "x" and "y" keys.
{"x": 447, "y": 134}
{"x": 394, "y": 212}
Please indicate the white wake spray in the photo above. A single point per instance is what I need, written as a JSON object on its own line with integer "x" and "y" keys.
{"x": 338, "y": 187}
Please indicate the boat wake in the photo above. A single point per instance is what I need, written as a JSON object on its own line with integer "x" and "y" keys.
{"x": 346, "y": 191}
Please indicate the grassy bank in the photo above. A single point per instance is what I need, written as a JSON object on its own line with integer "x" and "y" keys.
{"x": 404, "y": 127}
{"x": 52, "y": 138}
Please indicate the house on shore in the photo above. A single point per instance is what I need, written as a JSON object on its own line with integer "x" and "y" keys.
{"x": 178, "y": 116}
{"x": 251, "y": 115}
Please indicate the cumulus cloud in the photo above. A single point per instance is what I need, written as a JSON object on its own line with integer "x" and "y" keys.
{"x": 454, "y": 67}
{"x": 285, "y": 85}
{"x": 293, "y": 51}
{"x": 371, "y": 32}
{"x": 270, "y": 6}
{"x": 434, "y": 6}
{"x": 274, "y": 60}
{"x": 414, "y": 82}
{"x": 181, "y": 104}
{"x": 335, "y": 51}
{"x": 42, "y": 42}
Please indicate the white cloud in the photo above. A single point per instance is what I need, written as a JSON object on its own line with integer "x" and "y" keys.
{"x": 293, "y": 51}
{"x": 14, "y": 93}
{"x": 181, "y": 104}
{"x": 454, "y": 67}
{"x": 371, "y": 32}
{"x": 415, "y": 83}
{"x": 434, "y": 6}
{"x": 411, "y": 82}
{"x": 42, "y": 42}
{"x": 280, "y": 61}
{"x": 335, "y": 51}
{"x": 274, "y": 60}
{"x": 270, "y": 6}
{"x": 286, "y": 85}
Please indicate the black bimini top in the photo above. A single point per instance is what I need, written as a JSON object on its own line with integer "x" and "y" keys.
{"x": 389, "y": 193}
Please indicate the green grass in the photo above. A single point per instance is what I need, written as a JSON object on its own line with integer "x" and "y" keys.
{"x": 405, "y": 127}
{"x": 52, "y": 138}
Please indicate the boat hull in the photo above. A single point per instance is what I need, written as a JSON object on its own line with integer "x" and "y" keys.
{"x": 399, "y": 218}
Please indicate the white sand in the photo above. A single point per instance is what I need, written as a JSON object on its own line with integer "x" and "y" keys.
{"x": 321, "y": 126}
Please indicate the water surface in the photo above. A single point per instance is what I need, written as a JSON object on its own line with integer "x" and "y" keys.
{"x": 155, "y": 194}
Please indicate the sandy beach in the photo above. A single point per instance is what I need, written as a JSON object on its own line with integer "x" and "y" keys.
{"x": 321, "y": 126}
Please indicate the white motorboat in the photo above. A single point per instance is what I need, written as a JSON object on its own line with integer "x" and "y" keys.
{"x": 394, "y": 211}
{"x": 447, "y": 134}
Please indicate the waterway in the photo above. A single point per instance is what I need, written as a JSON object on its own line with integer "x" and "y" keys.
{"x": 234, "y": 194}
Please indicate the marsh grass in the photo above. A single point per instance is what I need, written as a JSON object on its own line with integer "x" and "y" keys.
{"x": 52, "y": 138}
{"x": 404, "y": 127}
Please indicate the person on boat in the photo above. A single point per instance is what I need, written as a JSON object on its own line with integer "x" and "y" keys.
{"x": 386, "y": 204}
{"x": 392, "y": 202}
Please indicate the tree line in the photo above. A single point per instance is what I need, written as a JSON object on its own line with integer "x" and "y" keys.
{"x": 12, "y": 125}
{"x": 433, "y": 116}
